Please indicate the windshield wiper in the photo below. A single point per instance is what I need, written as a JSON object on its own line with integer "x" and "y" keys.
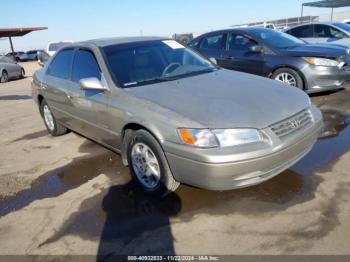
{"x": 146, "y": 81}
{"x": 169, "y": 77}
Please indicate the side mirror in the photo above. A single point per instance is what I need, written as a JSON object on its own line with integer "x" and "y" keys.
{"x": 213, "y": 60}
{"x": 92, "y": 83}
{"x": 339, "y": 36}
{"x": 256, "y": 49}
{"x": 43, "y": 57}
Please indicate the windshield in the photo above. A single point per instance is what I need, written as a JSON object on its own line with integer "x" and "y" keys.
{"x": 56, "y": 46}
{"x": 141, "y": 63}
{"x": 343, "y": 26}
{"x": 277, "y": 39}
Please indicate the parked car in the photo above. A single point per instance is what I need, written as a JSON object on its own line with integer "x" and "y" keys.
{"x": 15, "y": 56}
{"x": 31, "y": 55}
{"x": 52, "y": 47}
{"x": 10, "y": 70}
{"x": 279, "y": 56}
{"x": 322, "y": 33}
{"x": 43, "y": 57}
{"x": 173, "y": 115}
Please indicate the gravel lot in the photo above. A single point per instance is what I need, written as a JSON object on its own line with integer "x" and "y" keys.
{"x": 68, "y": 195}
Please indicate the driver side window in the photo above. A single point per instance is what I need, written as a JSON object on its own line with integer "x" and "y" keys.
{"x": 326, "y": 31}
{"x": 240, "y": 42}
{"x": 85, "y": 66}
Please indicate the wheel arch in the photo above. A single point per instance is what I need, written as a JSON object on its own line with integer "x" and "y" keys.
{"x": 292, "y": 68}
{"x": 134, "y": 126}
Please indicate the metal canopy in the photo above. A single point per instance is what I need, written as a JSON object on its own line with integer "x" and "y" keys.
{"x": 12, "y": 32}
{"x": 329, "y": 3}
{"x": 326, "y": 4}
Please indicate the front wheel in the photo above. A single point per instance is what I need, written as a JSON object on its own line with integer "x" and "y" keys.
{"x": 288, "y": 76}
{"x": 54, "y": 128}
{"x": 148, "y": 164}
{"x": 4, "y": 77}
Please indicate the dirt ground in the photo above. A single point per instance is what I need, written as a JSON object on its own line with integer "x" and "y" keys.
{"x": 67, "y": 195}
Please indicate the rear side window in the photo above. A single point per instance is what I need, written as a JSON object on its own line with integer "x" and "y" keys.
{"x": 212, "y": 42}
{"x": 60, "y": 66}
{"x": 302, "y": 31}
{"x": 84, "y": 66}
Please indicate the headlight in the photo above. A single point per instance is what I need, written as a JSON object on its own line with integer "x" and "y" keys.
{"x": 321, "y": 61}
{"x": 205, "y": 138}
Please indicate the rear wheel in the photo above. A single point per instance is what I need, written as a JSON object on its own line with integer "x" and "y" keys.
{"x": 288, "y": 76}
{"x": 148, "y": 164}
{"x": 54, "y": 128}
{"x": 4, "y": 77}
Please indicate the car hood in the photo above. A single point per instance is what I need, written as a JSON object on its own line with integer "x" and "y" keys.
{"x": 226, "y": 99}
{"x": 330, "y": 51}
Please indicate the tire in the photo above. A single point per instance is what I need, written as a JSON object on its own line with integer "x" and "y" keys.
{"x": 22, "y": 73}
{"x": 54, "y": 128}
{"x": 166, "y": 182}
{"x": 285, "y": 73}
{"x": 4, "y": 77}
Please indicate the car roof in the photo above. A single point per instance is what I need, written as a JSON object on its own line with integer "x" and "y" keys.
{"x": 238, "y": 30}
{"x": 315, "y": 23}
{"x": 117, "y": 40}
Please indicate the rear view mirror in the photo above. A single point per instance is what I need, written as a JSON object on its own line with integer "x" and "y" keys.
{"x": 91, "y": 83}
{"x": 256, "y": 49}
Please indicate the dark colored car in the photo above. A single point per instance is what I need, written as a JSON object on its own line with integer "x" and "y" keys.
{"x": 15, "y": 56}
{"x": 279, "y": 56}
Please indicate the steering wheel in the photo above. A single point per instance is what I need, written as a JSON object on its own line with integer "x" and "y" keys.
{"x": 175, "y": 65}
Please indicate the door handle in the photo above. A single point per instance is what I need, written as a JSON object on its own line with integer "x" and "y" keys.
{"x": 69, "y": 96}
{"x": 230, "y": 57}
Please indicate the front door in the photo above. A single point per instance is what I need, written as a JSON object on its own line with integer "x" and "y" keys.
{"x": 238, "y": 56}
{"x": 212, "y": 45}
{"x": 93, "y": 105}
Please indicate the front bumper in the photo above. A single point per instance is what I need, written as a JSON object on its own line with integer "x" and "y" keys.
{"x": 227, "y": 175}
{"x": 321, "y": 79}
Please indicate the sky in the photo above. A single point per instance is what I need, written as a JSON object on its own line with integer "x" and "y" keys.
{"x": 78, "y": 20}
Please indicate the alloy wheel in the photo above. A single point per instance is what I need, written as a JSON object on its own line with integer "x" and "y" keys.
{"x": 48, "y": 118}
{"x": 286, "y": 78}
{"x": 145, "y": 165}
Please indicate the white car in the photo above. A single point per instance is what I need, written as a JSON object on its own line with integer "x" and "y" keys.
{"x": 322, "y": 33}
{"x": 9, "y": 69}
{"x": 52, "y": 47}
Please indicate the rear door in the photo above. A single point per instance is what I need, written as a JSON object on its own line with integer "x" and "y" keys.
{"x": 58, "y": 89}
{"x": 212, "y": 46}
{"x": 238, "y": 56}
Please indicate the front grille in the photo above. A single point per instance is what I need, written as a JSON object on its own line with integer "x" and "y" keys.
{"x": 292, "y": 124}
